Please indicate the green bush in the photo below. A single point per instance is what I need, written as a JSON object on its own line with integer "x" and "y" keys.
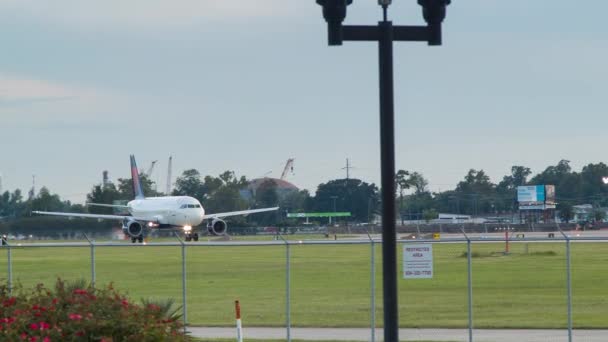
{"x": 77, "y": 312}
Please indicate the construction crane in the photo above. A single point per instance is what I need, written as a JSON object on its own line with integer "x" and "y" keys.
{"x": 151, "y": 168}
{"x": 288, "y": 168}
{"x": 169, "y": 170}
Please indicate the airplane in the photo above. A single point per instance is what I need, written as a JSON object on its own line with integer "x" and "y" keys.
{"x": 171, "y": 212}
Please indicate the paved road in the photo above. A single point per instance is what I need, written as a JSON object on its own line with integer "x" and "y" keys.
{"x": 362, "y": 334}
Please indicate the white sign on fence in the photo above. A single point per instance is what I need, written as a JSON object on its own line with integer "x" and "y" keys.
{"x": 417, "y": 261}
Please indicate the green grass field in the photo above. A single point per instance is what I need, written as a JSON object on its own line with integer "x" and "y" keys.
{"x": 330, "y": 284}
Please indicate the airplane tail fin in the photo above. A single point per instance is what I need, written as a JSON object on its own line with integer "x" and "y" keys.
{"x": 137, "y": 188}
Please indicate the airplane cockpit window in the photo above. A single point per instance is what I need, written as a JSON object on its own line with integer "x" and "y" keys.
{"x": 185, "y": 206}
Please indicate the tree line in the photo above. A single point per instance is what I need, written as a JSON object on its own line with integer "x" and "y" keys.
{"x": 475, "y": 195}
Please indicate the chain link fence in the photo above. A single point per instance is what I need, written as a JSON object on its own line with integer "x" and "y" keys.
{"x": 501, "y": 281}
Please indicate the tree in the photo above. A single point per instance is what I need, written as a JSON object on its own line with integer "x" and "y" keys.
{"x": 402, "y": 181}
{"x": 599, "y": 215}
{"x": 475, "y": 193}
{"x": 190, "y": 184}
{"x": 125, "y": 187}
{"x": 106, "y": 194}
{"x": 429, "y": 214}
{"x": 359, "y": 198}
{"x": 418, "y": 182}
{"x": 45, "y": 201}
{"x": 566, "y": 212}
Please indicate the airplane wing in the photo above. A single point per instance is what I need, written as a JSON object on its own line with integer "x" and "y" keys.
{"x": 108, "y": 205}
{"x": 237, "y": 213}
{"x": 95, "y": 216}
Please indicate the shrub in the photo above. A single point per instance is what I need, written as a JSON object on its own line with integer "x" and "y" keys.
{"x": 77, "y": 312}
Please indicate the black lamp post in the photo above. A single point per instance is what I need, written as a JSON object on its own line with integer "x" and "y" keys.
{"x": 433, "y": 11}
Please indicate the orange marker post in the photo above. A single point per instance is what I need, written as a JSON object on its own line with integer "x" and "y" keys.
{"x": 239, "y": 326}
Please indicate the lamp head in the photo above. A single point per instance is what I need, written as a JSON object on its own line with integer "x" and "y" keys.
{"x": 433, "y": 12}
{"x": 334, "y": 12}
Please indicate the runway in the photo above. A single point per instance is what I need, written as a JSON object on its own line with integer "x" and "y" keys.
{"x": 362, "y": 334}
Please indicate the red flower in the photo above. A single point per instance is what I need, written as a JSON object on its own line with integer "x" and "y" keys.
{"x": 44, "y": 325}
{"x": 75, "y": 317}
{"x": 46, "y": 339}
{"x": 55, "y": 300}
{"x": 34, "y": 326}
{"x": 8, "y": 320}
{"x": 23, "y": 336}
{"x": 33, "y": 339}
{"x": 154, "y": 307}
{"x": 80, "y": 333}
{"x": 9, "y": 302}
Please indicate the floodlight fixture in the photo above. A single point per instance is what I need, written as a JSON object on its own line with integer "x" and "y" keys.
{"x": 334, "y": 12}
{"x": 433, "y": 12}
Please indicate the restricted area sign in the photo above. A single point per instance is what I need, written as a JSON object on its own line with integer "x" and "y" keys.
{"x": 417, "y": 261}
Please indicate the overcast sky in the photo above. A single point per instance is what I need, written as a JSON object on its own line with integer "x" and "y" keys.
{"x": 243, "y": 85}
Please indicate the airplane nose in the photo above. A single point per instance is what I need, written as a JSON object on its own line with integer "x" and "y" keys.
{"x": 201, "y": 214}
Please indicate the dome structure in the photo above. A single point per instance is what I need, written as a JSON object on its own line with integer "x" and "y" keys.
{"x": 283, "y": 187}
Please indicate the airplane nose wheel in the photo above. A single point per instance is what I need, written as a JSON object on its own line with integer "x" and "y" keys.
{"x": 195, "y": 236}
{"x": 188, "y": 237}
{"x": 133, "y": 240}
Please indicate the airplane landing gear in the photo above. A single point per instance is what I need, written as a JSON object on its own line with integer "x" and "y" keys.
{"x": 139, "y": 239}
{"x": 189, "y": 237}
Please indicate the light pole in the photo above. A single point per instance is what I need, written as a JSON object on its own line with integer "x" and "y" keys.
{"x": 333, "y": 198}
{"x": 433, "y": 11}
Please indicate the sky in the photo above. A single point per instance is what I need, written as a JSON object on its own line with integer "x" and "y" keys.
{"x": 244, "y": 85}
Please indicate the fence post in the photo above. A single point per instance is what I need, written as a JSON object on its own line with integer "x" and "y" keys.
{"x": 373, "y": 288}
{"x": 287, "y": 288}
{"x": 184, "y": 305}
{"x": 469, "y": 284}
{"x": 10, "y": 268}
{"x": 93, "y": 273}
{"x": 568, "y": 283}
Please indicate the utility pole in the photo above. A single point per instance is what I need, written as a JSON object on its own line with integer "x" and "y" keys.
{"x": 347, "y": 168}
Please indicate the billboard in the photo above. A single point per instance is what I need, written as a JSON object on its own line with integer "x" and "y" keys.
{"x": 532, "y": 193}
{"x": 550, "y": 194}
{"x": 335, "y": 214}
{"x": 536, "y": 197}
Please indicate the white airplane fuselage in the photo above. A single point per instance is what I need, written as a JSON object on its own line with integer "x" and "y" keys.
{"x": 172, "y": 210}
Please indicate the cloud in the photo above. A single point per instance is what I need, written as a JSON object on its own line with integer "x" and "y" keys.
{"x": 18, "y": 90}
{"x": 144, "y": 13}
{"x": 31, "y": 101}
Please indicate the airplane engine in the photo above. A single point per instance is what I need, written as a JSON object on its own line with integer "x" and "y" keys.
{"x": 217, "y": 227}
{"x": 133, "y": 229}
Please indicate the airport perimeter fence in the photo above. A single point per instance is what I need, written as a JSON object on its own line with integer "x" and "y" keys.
{"x": 509, "y": 282}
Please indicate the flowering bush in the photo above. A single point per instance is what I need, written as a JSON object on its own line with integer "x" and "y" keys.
{"x": 76, "y": 312}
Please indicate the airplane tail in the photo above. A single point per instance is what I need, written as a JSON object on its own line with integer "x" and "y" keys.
{"x": 137, "y": 189}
